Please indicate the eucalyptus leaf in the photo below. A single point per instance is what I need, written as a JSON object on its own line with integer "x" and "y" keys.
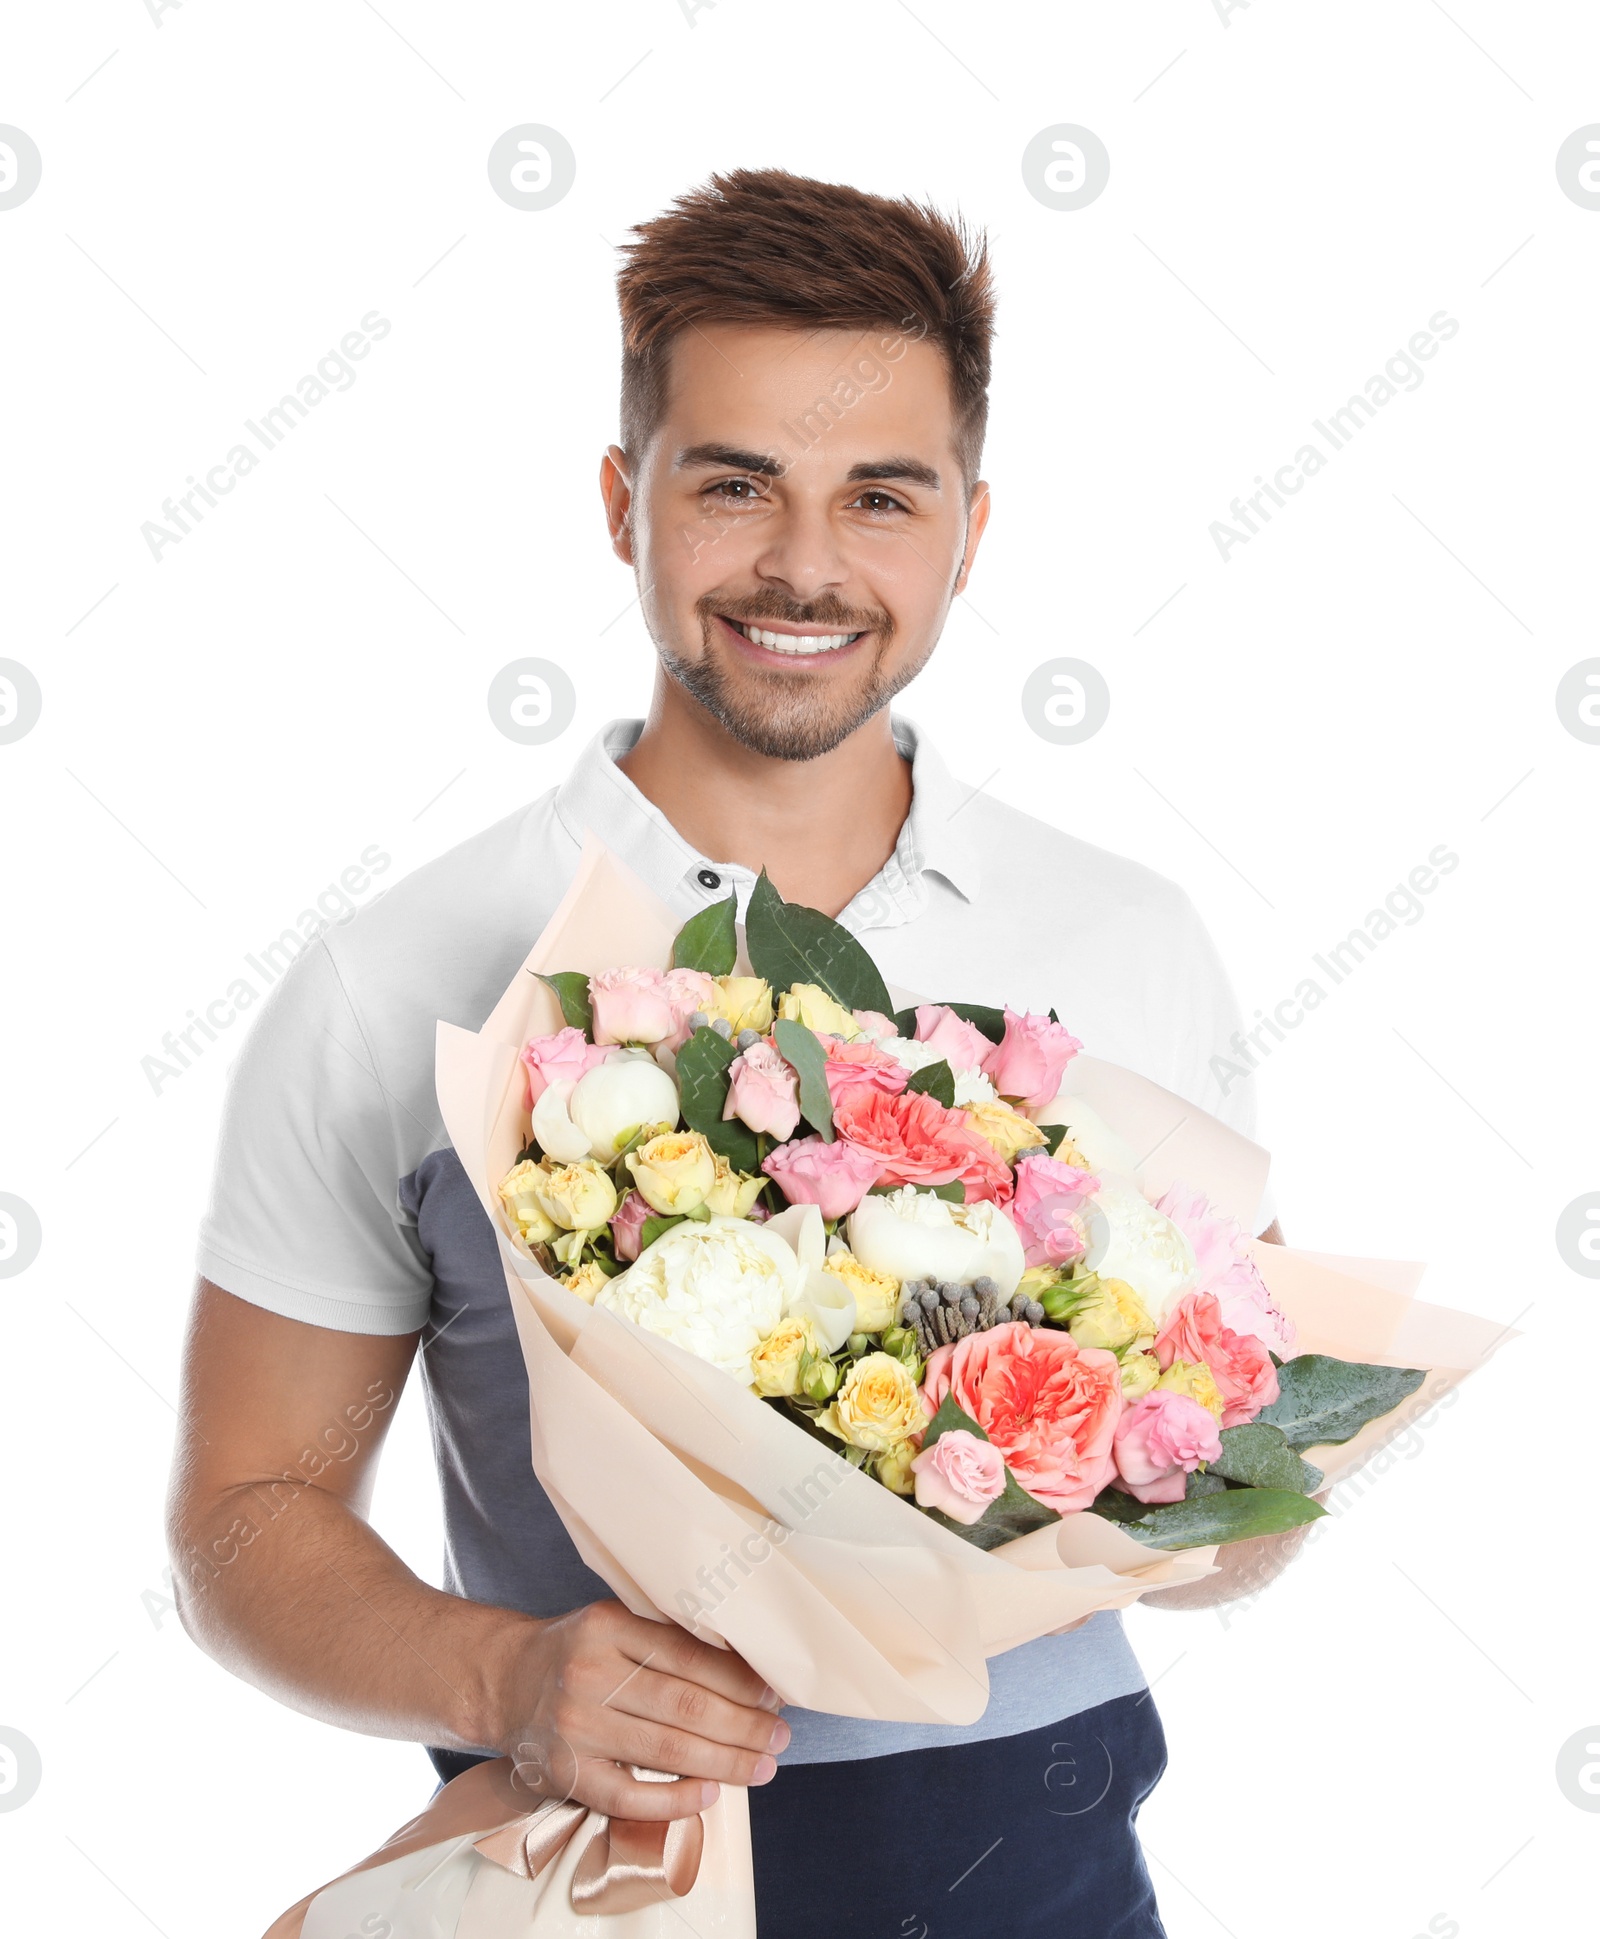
{"x": 1054, "y": 1134}
{"x": 1010, "y": 1514}
{"x": 572, "y": 991}
{"x": 1202, "y": 1482}
{"x": 950, "y": 1416}
{"x": 983, "y": 1016}
{"x": 1323, "y": 1401}
{"x": 937, "y": 1081}
{"x": 1258, "y": 1455}
{"x": 709, "y": 941}
{"x": 802, "y": 1049}
{"x": 703, "y": 1091}
{"x": 1235, "y": 1515}
{"x": 789, "y": 943}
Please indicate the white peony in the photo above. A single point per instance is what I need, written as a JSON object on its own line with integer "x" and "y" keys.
{"x": 972, "y": 1086}
{"x": 1131, "y": 1241}
{"x": 914, "y": 1235}
{"x": 589, "y": 1118}
{"x": 1104, "y": 1150}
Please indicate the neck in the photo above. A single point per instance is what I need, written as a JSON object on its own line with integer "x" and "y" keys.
{"x": 821, "y": 829}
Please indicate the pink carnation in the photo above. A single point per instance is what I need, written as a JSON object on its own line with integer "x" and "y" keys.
{"x": 1239, "y": 1362}
{"x": 1050, "y": 1406}
{"x": 1049, "y": 1194}
{"x": 1160, "y": 1440}
{"x": 959, "y": 1475}
{"x": 1225, "y": 1269}
{"x": 833, "y": 1177}
{"x": 862, "y": 1063}
{"x": 961, "y": 1044}
{"x": 1027, "y": 1063}
{"x": 564, "y": 1054}
{"x": 631, "y": 1006}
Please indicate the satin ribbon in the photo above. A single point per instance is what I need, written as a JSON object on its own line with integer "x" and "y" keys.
{"x": 624, "y": 1864}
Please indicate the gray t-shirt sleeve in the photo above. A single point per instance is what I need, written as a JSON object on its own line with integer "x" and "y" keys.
{"x": 304, "y": 1217}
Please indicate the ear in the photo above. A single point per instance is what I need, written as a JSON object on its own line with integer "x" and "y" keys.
{"x": 977, "y": 520}
{"x": 617, "y": 492}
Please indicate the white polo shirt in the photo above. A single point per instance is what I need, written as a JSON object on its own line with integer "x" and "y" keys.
{"x": 338, "y": 1201}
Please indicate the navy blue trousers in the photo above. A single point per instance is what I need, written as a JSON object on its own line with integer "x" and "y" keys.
{"x": 1029, "y": 1837}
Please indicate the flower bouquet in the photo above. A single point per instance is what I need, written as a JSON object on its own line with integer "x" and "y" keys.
{"x": 868, "y": 1337}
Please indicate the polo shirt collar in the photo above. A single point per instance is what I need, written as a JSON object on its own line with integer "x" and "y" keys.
{"x": 598, "y": 798}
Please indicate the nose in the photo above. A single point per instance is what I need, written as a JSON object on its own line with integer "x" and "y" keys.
{"x": 800, "y": 553}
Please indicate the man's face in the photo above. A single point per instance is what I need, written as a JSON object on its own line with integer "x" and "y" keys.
{"x": 798, "y": 525}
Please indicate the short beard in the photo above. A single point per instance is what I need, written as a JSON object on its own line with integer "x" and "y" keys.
{"x": 775, "y": 716}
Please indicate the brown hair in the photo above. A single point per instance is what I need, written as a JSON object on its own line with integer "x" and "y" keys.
{"x": 764, "y": 246}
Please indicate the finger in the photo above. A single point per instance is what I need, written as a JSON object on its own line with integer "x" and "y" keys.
{"x": 609, "y": 1788}
{"x": 671, "y": 1649}
{"x": 683, "y": 1705}
{"x": 613, "y": 1733}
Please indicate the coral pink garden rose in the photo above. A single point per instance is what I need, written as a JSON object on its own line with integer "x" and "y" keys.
{"x": 959, "y": 1475}
{"x": 962, "y": 1045}
{"x": 861, "y": 1063}
{"x": 916, "y": 1141}
{"x": 631, "y": 1006}
{"x": 564, "y": 1054}
{"x": 1160, "y": 1441}
{"x": 1239, "y": 1362}
{"x": 1027, "y": 1063}
{"x": 763, "y": 1091}
{"x": 835, "y": 1178}
{"x": 1049, "y": 1194}
{"x": 1050, "y": 1406}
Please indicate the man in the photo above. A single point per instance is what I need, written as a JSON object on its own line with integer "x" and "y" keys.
{"x": 797, "y": 491}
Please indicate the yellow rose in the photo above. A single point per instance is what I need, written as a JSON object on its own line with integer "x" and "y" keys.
{"x": 806, "y": 1003}
{"x": 893, "y": 1467}
{"x": 746, "y": 1002}
{"x": 533, "y": 1223}
{"x": 1008, "y": 1131}
{"x": 732, "y": 1192}
{"x": 877, "y": 1295}
{"x": 877, "y": 1407}
{"x": 579, "y": 1197}
{"x": 1194, "y": 1378}
{"x": 586, "y": 1281}
{"x": 1114, "y": 1319}
{"x": 776, "y": 1362}
{"x": 1140, "y": 1372}
{"x": 674, "y": 1172}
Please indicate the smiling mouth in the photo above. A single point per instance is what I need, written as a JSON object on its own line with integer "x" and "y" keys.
{"x": 802, "y": 645}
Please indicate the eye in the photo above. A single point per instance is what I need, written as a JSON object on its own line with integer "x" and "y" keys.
{"x": 734, "y": 491}
{"x": 879, "y": 502}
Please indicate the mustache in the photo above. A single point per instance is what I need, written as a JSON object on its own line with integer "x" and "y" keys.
{"x": 828, "y": 614}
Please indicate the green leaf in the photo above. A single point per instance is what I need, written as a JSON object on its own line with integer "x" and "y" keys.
{"x": 1202, "y": 1483}
{"x": 1235, "y": 1515}
{"x": 802, "y": 1048}
{"x": 938, "y": 1081}
{"x": 1324, "y": 1401}
{"x": 950, "y": 1416}
{"x": 1013, "y": 1513}
{"x": 789, "y": 943}
{"x": 572, "y": 988}
{"x": 1053, "y": 1135}
{"x": 703, "y": 1091}
{"x": 982, "y": 1016}
{"x": 1259, "y": 1456}
{"x": 710, "y": 940}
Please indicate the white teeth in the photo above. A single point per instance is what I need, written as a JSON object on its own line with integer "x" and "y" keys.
{"x": 795, "y": 642}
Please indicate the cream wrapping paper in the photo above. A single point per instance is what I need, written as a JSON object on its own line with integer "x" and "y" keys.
{"x": 699, "y": 1503}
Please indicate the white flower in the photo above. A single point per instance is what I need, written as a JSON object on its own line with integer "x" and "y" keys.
{"x": 972, "y": 1086}
{"x": 914, "y": 1235}
{"x": 1102, "y": 1148}
{"x": 817, "y": 1295}
{"x": 1131, "y": 1241}
{"x": 588, "y": 1119}
{"x": 715, "y": 1287}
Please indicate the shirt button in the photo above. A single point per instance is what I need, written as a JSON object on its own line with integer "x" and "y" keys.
{"x": 709, "y": 879}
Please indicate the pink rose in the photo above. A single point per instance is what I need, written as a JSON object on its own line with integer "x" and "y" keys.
{"x": 959, "y": 1475}
{"x": 961, "y": 1044}
{"x": 862, "y": 1063}
{"x": 627, "y": 1222}
{"x": 631, "y": 1006}
{"x": 1239, "y": 1362}
{"x": 763, "y": 1091}
{"x": 1048, "y": 1195}
{"x": 1225, "y": 1269}
{"x": 875, "y": 1024}
{"x": 687, "y": 991}
{"x": 1050, "y": 1406}
{"x": 835, "y": 1178}
{"x": 1027, "y": 1063}
{"x": 1160, "y": 1440}
{"x": 565, "y": 1054}
{"x": 916, "y": 1141}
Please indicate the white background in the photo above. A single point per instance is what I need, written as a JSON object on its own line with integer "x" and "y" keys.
{"x": 1294, "y": 191}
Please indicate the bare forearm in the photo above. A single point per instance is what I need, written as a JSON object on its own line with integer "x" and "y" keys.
{"x": 298, "y": 1595}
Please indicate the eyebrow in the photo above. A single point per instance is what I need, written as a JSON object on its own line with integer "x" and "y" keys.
{"x": 912, "y": 470}
{"x": 765, "y": 465}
